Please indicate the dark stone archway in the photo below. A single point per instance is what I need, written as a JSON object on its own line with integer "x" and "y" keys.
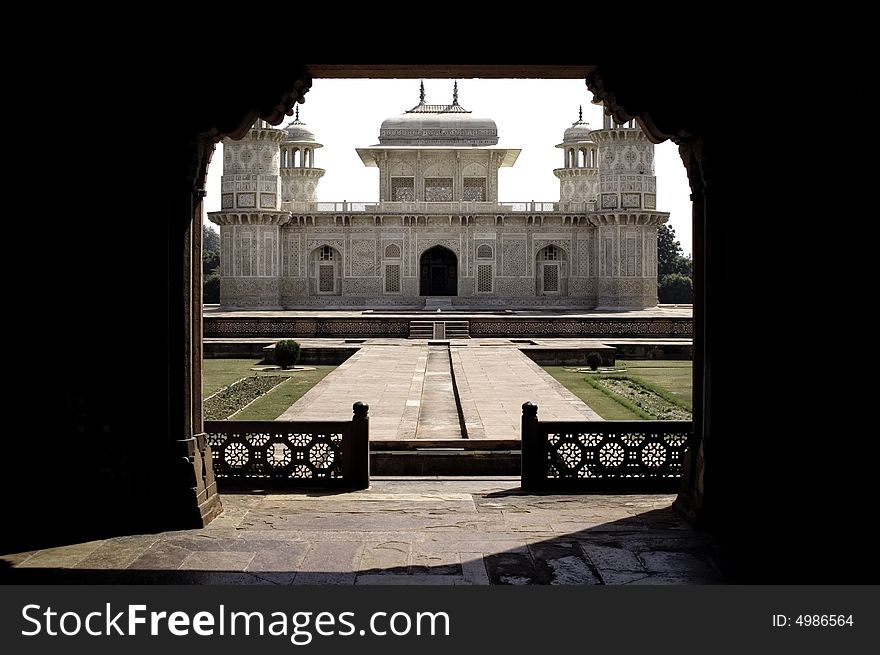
{"x": 132, "y": 456}
{"x": 438, "y": 272}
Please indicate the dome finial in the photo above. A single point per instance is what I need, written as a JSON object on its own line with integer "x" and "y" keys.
{"x": 296, "y": 120}
{"x": 455, "y": 93}
{"x": 422, "y": 93}
{"x": 581, "y": 114}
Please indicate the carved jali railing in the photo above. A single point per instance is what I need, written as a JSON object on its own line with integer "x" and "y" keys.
{"x": 293, "y": 453}
{"x": 620, "y": 455}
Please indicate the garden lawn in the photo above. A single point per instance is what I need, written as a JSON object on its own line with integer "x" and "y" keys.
{"x": 676, "y": 377}
{"x": 603, "y": 404}
{"x": 673, "y": 376}
{"x": 271, "y": 405}
{"x": 220, "y": 373}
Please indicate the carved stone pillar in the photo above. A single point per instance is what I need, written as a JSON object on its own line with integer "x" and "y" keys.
{"x": 192, "y": 498}
{"x": 691, "y": 498}
{"x": 189, "y": 493}
{"x": 624, "y": 101}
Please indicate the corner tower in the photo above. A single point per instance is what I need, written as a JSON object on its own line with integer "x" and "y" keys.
{"x": 299, "y": 176}
{"x": 250, "y": 218}
{"x": 626, "y": 167}
{"x": 579, "y": 176}
{"x": 626, "y": 216}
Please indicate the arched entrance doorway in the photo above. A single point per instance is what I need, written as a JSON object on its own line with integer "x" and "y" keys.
{"x": 551, "y": 272}
{"x": 439, "y": 272}
{"x": 324, "y": 271}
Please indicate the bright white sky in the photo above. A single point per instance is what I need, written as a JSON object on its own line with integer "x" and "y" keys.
{"x": 530, "y": 114}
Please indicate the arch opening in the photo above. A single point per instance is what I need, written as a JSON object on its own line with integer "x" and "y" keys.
{"x": 438, "y": 267}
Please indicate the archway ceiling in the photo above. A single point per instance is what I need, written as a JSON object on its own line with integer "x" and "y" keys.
{"x": 433, "y": 71}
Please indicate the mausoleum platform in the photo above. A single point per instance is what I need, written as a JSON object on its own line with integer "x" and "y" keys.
{"x": 667, "y": 321}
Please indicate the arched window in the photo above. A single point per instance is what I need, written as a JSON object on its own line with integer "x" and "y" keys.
{"x": 392, "y": 251}
{"x": 484, "y": 252}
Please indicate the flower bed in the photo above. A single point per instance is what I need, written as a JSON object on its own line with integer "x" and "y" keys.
{"x": 648, "y": 401}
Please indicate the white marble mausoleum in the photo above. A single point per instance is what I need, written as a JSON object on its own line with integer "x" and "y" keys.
{"x": 439, "y": 233}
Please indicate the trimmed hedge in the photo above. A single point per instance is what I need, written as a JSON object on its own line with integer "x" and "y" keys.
{"x": 287, "y": 353}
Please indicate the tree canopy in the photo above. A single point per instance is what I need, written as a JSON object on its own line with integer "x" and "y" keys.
{"x": 210, "y": 265}
{"x": 675, "y": 271}
{"x": 210, "y": 239}
{"x": 670, "y": 257}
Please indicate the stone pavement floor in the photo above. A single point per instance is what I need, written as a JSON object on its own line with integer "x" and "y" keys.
{"x": 401, "y": 531}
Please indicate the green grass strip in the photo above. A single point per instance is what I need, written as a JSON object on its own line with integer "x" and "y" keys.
{"x": 275, "y": 402}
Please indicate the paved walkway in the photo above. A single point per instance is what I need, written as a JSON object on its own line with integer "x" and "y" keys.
{"x": 388, "y": 377}
{"x": 401, "y": 531}
{"x": 495, "y": 381}
{"x": 395, "y": 378}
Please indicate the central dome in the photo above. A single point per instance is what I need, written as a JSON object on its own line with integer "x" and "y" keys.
{"x": 438, "y": 125}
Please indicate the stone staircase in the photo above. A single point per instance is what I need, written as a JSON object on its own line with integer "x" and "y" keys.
{"x": 458, "y": 330}
{"x": 421, "y": 329}
{"x": 434, "y": 329}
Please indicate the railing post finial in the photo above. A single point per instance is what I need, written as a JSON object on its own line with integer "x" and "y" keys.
{"x": 357, "y": 447}
{"x": 534, "y": 451}
{"x": 360, "y": 409}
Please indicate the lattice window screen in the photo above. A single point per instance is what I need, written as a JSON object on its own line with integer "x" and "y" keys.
{"x": 474, "y": 189}
{"x": 325, "y": 278}
{"x": 551, "y": 278}
{"x": 392, "y": 278}
{"x": 403, "y": 189}
{"x": 484, "y": 278}
{"x": 438, "y": 189}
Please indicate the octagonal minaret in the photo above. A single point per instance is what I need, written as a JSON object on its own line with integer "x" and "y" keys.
{"x": 250, "y": 218}
{"x": 626, "y": 216}
{"x": 579, "y": 176}
{"x": 299, "y": 176}
{"x": 626, "y": 167}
